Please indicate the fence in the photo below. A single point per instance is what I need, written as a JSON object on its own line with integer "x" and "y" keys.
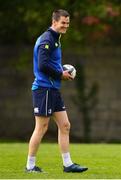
{"x": 102, "y": 66}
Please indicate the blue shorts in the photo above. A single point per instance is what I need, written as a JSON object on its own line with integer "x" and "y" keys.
{"x": 46, "y": 101}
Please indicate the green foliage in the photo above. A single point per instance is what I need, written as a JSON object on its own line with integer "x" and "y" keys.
{"x": 86, "y": 101}
{"x": 24, "y": 61}
{"x": 93, "y": 22}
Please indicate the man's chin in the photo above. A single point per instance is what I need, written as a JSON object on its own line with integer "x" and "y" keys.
{"x": 63, "y": 32}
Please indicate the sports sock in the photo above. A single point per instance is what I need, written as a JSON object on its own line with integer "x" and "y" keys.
{"x": 30, "y": 162}
{"x": 67, "y": 159}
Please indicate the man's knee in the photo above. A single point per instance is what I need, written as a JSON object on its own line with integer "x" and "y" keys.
{"x": 41, "y": 129}
{"x": 66, "y": 127}
{"x": 45, "y": 127}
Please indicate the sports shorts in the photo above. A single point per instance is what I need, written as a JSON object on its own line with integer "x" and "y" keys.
{"x": 46, "y": 101}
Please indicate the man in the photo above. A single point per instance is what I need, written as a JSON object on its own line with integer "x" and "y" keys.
{"x": 47, "y": 99}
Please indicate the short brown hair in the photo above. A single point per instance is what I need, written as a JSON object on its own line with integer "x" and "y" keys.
{"x": 58, "y": 13}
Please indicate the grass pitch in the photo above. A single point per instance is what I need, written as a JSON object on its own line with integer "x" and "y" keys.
{"x": 103, "y": 161}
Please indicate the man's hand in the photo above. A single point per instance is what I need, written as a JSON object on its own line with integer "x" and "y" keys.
{"x": 66, "y": 75}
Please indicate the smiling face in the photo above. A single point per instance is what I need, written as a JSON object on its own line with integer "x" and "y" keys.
{"x": 61, "y": 25}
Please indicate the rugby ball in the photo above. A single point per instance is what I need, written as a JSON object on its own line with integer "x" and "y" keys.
{"x": 71, "y": 69}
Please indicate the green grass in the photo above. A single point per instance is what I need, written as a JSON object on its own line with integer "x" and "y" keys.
{"x": 103, "y": 161}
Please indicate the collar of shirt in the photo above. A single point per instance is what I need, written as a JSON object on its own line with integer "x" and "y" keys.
{"x": 55, "y": 34}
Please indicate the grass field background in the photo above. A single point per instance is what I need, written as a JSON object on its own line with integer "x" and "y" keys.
{"x": 103, "y": 161}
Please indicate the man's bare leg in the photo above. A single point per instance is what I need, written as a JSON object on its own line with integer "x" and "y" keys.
{"x": 63, "y": 124}
{"x": 41, "y": 126}
{"x": 63, "y": 140}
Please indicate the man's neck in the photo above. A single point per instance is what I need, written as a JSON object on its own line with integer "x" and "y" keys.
{"x": 54, "y": 32}
{"x": 54, "y": 29}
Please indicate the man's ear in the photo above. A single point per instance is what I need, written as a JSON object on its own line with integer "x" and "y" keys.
{"x": 54, "y": 21}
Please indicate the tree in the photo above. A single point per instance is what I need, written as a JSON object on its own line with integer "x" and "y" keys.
{"x": 86, "y": 101}
{"x": 93, "y": 22}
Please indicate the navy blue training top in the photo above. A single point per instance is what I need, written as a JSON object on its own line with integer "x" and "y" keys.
{"x": 47, "y": 61}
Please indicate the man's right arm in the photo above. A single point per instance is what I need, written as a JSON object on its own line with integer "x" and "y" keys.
{"x": 44, "y": 53}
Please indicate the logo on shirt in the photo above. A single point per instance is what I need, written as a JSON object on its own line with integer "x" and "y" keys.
{"x": 46, "y": 46}
{"x": 56, "y": 44}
